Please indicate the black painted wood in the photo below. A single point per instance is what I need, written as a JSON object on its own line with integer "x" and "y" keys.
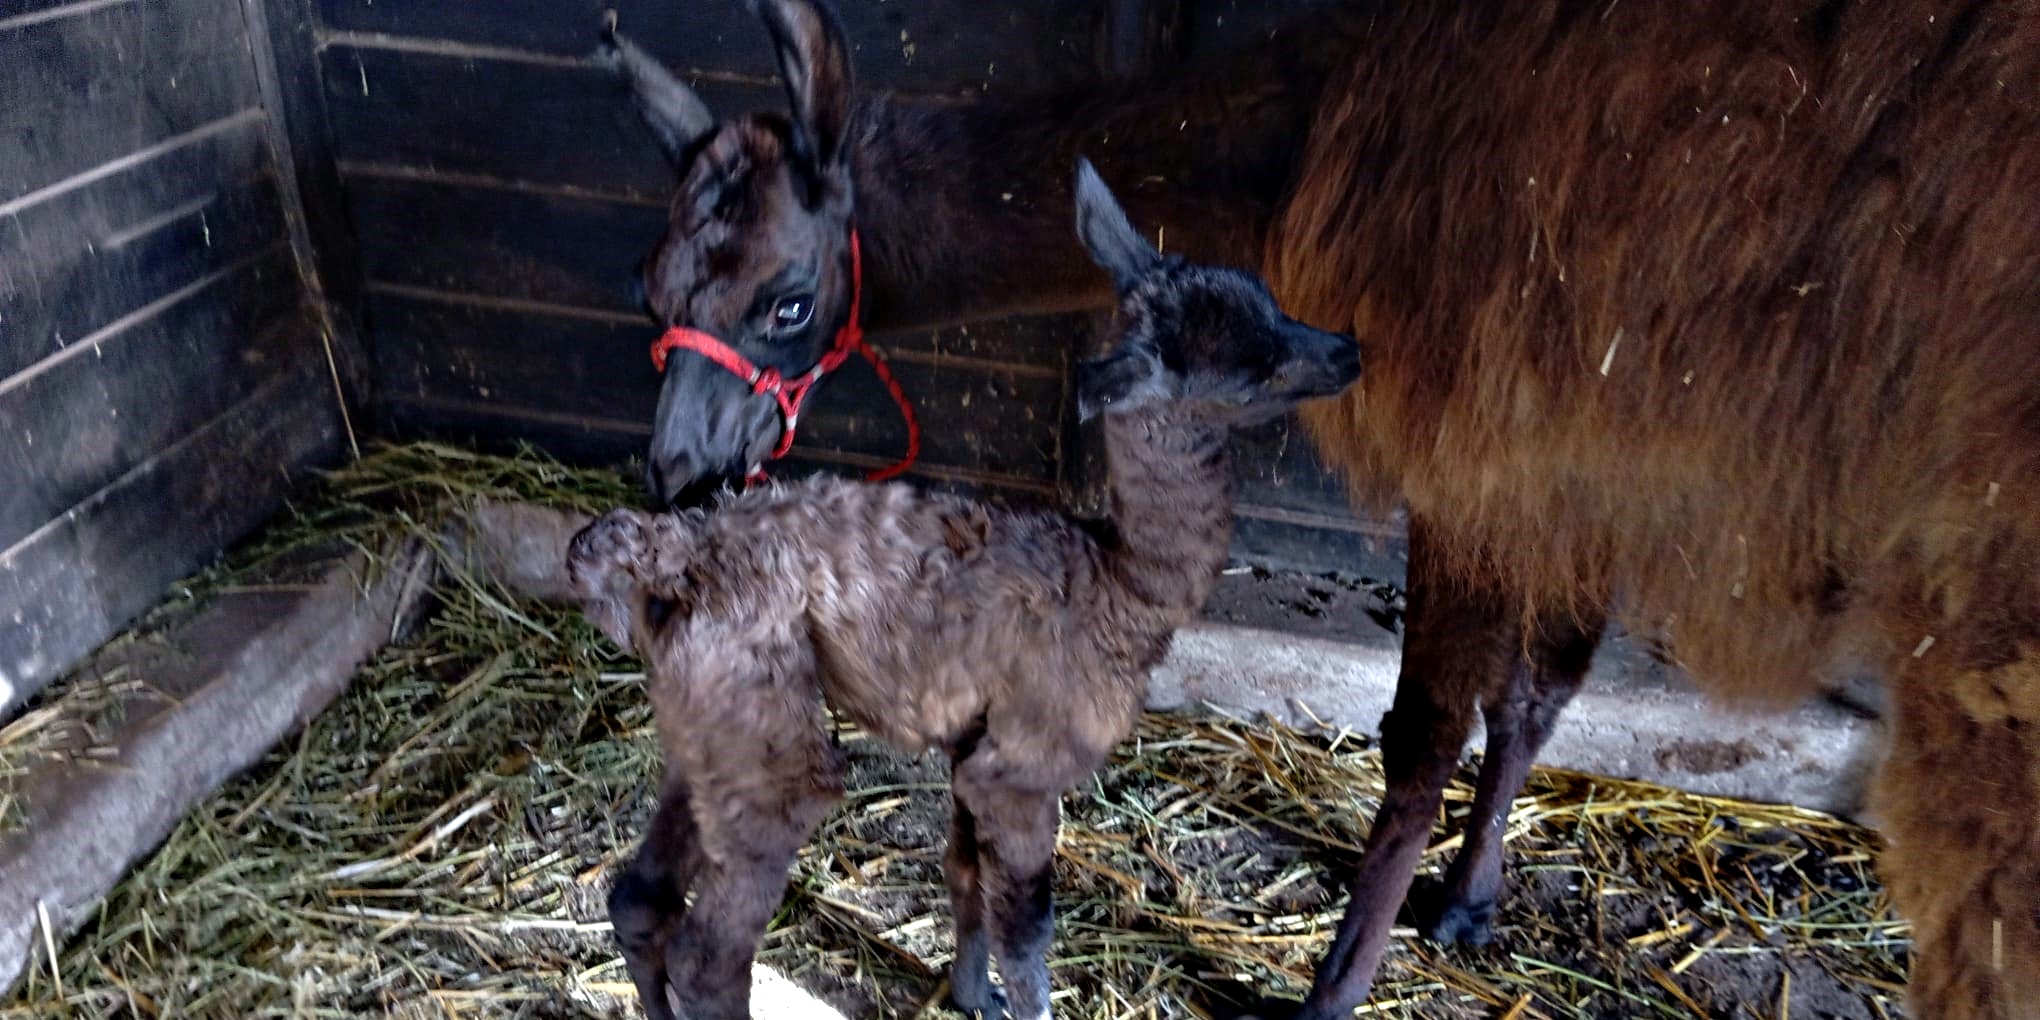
{"x": 76, "y": 262}
{"x": 77, "y": 422}
{"x": 932, "y": 46}
{"x": 1215, "y": 27}
{"x": 570, "y": 125}
{"x": 283, "y": 38}
{"x": 501, "y": 243}
{"x": 1276, "y": 465}
{"x": 84, "y": 575}
{"x": 161, "y": 375}
{"x": 84, "y": 88}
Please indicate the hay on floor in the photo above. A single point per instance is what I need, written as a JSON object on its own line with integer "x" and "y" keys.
{"x": 438, "y": 844}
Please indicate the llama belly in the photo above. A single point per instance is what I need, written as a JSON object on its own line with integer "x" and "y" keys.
{"x": 907, "y": 701}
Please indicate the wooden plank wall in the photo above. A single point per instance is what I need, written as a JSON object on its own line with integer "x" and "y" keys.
{"x": 161, "y": 377}
{"x": 501, "y": 191}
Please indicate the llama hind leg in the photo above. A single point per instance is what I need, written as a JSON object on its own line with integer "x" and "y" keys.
{"x": 1016, "y": 850}
{"x": 970, "y": 975}
{"x": 1959, "y": 799}
{"x": 650, "y": 897}
{"x": 1458, "y": 642}
{"x": 1520, "y": 715}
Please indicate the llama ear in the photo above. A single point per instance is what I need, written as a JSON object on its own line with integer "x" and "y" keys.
{"x": 675, "y": 113}
{"x": 1121, "y": 381}
{"x": 1113, "y": 242}
{"x": 816, "y": 65}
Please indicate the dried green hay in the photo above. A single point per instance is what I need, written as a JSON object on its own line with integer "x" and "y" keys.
{"x": 439, "y": 842}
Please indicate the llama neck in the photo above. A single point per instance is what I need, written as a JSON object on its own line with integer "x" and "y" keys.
{"x": 1171, "y": 508}
{"x": 966, "y": 208}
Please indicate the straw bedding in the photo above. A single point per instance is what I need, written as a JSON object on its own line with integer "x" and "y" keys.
{"x": 439, "y": 842}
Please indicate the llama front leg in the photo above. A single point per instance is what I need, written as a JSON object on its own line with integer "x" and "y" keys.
{"x": 970, "y": 975}
{"x": 1457, "y": 642}
{"x": 1520, "y": 715}
{"x": 750, "y": 836}
{"x": 1016, "y": 851}
{"x": 650, "y": 897}
{"x": 1959, "y": 798}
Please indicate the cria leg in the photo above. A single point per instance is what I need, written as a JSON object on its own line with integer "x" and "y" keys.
{"x": 970, "y": 976}
{"x": 650, "y": 897}
{"x": 1016, "y": 851}
{"x": 743, "y": 727}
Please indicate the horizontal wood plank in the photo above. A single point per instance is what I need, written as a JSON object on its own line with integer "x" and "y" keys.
{"x": 83, "y": 258}
{"x": 81, "y": 90}
{"x": 931, "y": 46}
{"x": 1277, "y": 465}
{"x": 81, "y": 421}
{"x": 506, "y": 244}
{"x": 85, "y": 575}
{"x": 582, "y": 252}
{"x": 552, "y": 124}
{"x": 1217, "y": 27}
{"x": 976, "y": 416}
{"x": 1377, "y": 550}
{"x": 15, "y": 13}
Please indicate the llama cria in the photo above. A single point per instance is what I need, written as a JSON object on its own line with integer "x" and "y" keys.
{"x": 1015, "y": 641}
{"x": 1728, "y": 310}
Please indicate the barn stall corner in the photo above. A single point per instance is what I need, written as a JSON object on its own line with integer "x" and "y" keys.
{"x": 311, "y": 309}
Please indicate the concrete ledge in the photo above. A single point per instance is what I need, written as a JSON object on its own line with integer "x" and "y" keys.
{"x": 1633, "y": 719}
{"x": 214, "y": 694}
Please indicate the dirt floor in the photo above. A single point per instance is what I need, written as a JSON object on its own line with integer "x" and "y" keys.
{"x": 438, "y": 844}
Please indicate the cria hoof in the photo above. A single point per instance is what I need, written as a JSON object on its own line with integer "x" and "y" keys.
{"x": 1450, "y": 923}
{"x": 988, "y": 1004}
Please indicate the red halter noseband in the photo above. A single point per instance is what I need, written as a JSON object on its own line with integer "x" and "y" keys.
{"x": 789, "y": 394}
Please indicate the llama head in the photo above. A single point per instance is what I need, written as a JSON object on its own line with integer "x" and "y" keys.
{"x": 613, "y": 565}
{"x": 1209, "y": 339}
{"x": 756, "y": 251}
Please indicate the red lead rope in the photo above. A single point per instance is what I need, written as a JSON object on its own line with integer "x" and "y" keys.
{"x": 789, "y": 394}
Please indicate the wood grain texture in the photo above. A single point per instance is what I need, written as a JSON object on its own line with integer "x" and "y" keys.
{"x": 80, "y": 578}
{"x": 82, "y": 89}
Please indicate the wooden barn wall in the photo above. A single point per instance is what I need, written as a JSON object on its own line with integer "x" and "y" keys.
{"x": 161, "y": 376}
{"x": 501, "y": 190}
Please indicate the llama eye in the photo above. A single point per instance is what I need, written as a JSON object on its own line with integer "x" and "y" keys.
{"x": 792, "y": 312}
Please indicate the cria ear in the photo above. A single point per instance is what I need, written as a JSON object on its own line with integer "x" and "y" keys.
{"x": 816, "y": 65}
{"x": 676, "y": 115}
{"x": 606, "y": 562}
{"x": 1113, "y": 242}
{"x": 1122, "y": 381}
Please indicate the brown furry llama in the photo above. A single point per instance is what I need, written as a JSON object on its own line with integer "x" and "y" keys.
{"x": 1724, "y": 317}
{"x": 1015, "y": 641}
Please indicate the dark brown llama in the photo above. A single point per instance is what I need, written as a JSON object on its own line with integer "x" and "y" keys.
{"x": 1015, "y": 641}
{"x": 1726, "y": 315}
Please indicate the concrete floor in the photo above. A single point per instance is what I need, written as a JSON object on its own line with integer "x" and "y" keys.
{"x": 1319, "y": 648}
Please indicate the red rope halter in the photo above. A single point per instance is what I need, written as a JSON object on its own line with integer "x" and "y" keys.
{"x": 789, "y": 394}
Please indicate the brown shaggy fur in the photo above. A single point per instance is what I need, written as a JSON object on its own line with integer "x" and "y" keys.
{"x": 1725, "y": 316}
{"x": 1014, "y": 641}
{"x": 1750, "y": 344}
